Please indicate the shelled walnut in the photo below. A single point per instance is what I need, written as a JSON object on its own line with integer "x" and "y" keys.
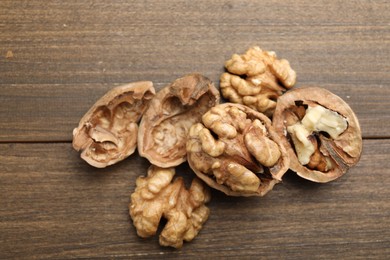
{"x": 236, "y": 150}
{"x": 107, "y": 133}
{"x": 320, "y": 131}
{"x": 256, "y": 79}
{"x": 163, "y": 129}
{"x": 156, "y": 196}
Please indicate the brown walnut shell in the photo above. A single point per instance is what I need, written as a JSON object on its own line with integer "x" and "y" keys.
{"x": 107, "y": 133}
{"x": 236, "y": 150}
{"x": 338, "y": 152}
{"x": 163, "y": 129}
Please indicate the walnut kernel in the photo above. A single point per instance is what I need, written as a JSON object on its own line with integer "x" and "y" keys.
{"x": 235, "y": 150}
{"x": 156, "y": 196}
{"x": 316, "y": 119}
{"x": 256, "y": 79}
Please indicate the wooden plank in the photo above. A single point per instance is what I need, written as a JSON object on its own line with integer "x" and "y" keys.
{"x": 53, "y": 205}
{"x": 94, "y": 41}
{"x": 66, "y": 55}
{"x": 57, "y": 58}
{"x": 50, "y": 112}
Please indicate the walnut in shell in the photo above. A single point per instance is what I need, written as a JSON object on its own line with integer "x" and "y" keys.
{"x": 256, "y": 79}
{"x": 320, "y": 131}
{"x": 235, "y": 150}
{"x": 163, "y": 129}
{"x": 156, "y": 196}
{"x": 107, "y": 133}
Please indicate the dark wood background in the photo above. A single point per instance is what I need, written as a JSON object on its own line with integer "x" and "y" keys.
{"x": 58, "y": 57}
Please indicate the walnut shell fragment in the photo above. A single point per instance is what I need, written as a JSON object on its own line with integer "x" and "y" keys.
{"x": 320, "y": 131}
{"x": 107, "y": 133}
{"x": 156, "y": 196}
{"x": 164, "y": 126}
{"x": 256, "y": 79}
{"x": 236, "y": 150}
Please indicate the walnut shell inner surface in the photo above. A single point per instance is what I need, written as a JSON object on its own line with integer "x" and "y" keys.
{"x": 107, "y": 133}
{"x": 175, "y": 108}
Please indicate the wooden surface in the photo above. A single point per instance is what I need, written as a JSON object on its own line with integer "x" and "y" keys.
{"x": 58, "y": 57}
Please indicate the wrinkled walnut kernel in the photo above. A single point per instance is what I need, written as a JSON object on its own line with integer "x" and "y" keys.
{"x": 321, "y": 133}
{"x": 107, "y": 133}
{"x": 236, "y": 150}
{"x": 156, "y": 196}
{"x": 163, "y": 129}
{"x": 256, "y": 79}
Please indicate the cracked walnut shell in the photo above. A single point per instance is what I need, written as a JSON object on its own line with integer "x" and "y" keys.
{"x": 164, "y": 126}
{"x": 256, "y": 79}
{"x": 156, "y": 196}
{"x": 235, "y": 150}
{"x": 107, "y": 133}
{"x": 320, "y": 131}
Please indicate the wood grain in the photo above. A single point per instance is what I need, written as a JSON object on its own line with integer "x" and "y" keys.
{"x": 45, "y": 112}
{"x": 56, "y": 206}
{"x": 58, "y": 57}
{"x": 66, "y": 55}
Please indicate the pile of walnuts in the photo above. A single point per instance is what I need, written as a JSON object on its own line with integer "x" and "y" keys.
{"x": 242, "y": 147}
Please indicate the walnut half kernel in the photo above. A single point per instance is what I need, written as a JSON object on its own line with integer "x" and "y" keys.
{"x": 235, "y": 150}
{"x": 107, "y": 133}
{"x": 256, "y": 79}
{"x": 156, "y": 197}
{"x": 321, "y": 133}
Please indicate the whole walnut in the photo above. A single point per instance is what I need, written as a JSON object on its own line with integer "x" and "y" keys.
{"x": 256, "y": 79}
{"x": 157, "y": 197}
{"x": 107, "y": 133}
{"x": 175, "y": 108}
{"x": 320, "y": 132}
{"x": 236, "y": 150}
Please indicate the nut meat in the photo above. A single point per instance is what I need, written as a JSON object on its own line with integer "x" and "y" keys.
{"x": 163, "y": 129}
{"x": 321, "y": 133}
{"x": 156, "y": 196}
{"x": 107, "y": 133}
{"x": 235, "y": 150}
{"x": 256, "y": 79}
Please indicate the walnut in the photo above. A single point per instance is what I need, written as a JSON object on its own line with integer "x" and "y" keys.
{"x": 156, "y": 196}
{"x": 320, "y": 131}
{"x": 256, "y": 79}
{"x": 236, "y": 150}
{"x": 107, "y": 133}
{"x": 163, "y": 129}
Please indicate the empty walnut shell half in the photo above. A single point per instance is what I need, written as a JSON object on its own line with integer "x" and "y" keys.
{"x": 107, "y": 133}
{"x": 175, "y": 108}
{"x": 320, "y": 131}
{"x": 236, "y": 150}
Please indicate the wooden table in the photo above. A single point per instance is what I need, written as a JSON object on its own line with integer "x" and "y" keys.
{"x": 58, "y": 57}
